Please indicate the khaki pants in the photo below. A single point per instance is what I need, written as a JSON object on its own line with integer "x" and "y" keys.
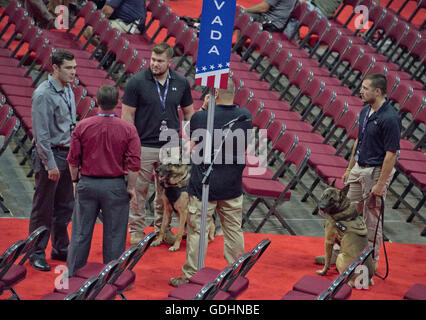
{"x": 230, "y": 214}
{"x": 361, "y": 180}
{"x": 149, "y": 162}
{"x": 122, "y": 26}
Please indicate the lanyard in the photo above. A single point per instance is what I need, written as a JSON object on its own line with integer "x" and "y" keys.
{"x": 108, "y": 115}
{"x": 364, "y": 123}
{"x": 364, "y": 126}
{"x": 67, "y": 101}
{"x": 164, "y": 96}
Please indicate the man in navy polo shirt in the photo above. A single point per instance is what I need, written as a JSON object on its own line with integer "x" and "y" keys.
{"x": 371, "y": 166}
{"x": 122, "y": 14}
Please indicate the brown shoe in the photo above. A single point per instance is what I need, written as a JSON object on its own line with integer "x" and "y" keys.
{"x": 176, "y": 282}
{"x": 136, "y": 237}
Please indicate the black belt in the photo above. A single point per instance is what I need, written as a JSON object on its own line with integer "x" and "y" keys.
{"x": 103, "y": 177}
{"x": 369, "y": 165}
{"x": 61, "y": 148}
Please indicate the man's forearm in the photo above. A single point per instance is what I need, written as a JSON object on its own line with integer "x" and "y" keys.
{"x": 131, "y": 179}
{"x": 387, "y": 167}
{"x": 73, "y": 172}
{"x": 351, "y": 162}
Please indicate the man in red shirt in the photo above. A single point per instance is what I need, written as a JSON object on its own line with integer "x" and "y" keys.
{"x": 103, "y": 150}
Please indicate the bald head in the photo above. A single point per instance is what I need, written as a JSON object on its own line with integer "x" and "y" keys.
{"x": 226, "y": 96}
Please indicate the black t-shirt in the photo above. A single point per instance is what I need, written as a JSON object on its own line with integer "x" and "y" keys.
{"x": 141, "y": 93}
{"x": 377, "y": 134}
{"x": 226, "y": 178}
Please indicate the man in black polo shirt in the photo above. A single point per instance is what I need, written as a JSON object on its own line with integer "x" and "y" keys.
{"x": 225, "y": 183}
{"x": 150, "y": 101}
{"x": 371, "y": 166}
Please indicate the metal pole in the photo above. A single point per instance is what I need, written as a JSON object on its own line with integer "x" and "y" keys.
{"x": 205, "y": 194}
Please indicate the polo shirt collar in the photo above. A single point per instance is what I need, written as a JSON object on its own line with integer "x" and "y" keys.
{"x": 383, "y": 108}
{"x": 151, "y": 76}
{"x": 56, "y": 85}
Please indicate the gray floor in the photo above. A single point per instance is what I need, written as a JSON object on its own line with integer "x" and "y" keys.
{"x": 17, "y": 191}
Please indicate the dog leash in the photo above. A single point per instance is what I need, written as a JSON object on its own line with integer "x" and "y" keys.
{"x": 381, "y": 218}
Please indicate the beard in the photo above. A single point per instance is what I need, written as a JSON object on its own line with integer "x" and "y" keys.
{"x": 159, "y": 73}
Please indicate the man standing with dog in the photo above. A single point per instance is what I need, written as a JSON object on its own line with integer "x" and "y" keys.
{"x": 225, "y": 182}
{"x": 150, "y": 102}
{"x": 103, "y": 150}
{"x": 374, "y": 154}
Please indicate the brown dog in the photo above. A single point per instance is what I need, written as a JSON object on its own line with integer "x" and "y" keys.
{"x": 174, "y": 178}
{"x": 346, "y": 227}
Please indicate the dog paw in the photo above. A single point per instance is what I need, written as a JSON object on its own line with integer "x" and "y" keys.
{"x": 156, "y": 243}
{"x": 174, "y": 248}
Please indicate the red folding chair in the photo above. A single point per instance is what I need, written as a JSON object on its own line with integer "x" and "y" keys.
{"x": 273, "y": 192}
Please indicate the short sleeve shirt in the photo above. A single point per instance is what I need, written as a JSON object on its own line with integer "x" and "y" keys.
{"x": 279, "y": 11}
{"x": 378, "y": 133}
{"x": 142, "y": 93}
{"x": 226, "y": 178}
{"x": 128, "y": 10}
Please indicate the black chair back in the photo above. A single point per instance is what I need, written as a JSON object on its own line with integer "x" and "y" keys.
{"x": 8, "y": 258}
{"x": 142, "y": 247}
{"x": 256, "y": 254}
{"x": 31, "y": 242}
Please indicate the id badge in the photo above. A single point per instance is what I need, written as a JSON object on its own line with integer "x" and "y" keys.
{"x": 163, "y": 126}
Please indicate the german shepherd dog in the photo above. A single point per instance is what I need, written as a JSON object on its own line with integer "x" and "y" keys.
{"x": 346, "y": 227}
{"x": 174, "y": 178}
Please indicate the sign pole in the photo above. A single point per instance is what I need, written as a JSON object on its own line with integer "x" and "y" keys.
{"x": 205, "y": 195}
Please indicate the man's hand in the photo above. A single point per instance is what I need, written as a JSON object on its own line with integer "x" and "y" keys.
{"x": 345, "y": 177}
{"x": 205, "y": 105}
{"x": 378, "y": 190}
{"x": 53, "y": 174}
{"x": 133, "y": 200}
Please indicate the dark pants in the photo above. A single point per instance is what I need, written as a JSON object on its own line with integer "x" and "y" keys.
{"x": 53, "y": 205}
{"x": 94, "y": 194}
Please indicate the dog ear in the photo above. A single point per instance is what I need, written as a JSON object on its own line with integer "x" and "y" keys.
{"x": 345, "y": 190}
{"x": 332, "y": 183}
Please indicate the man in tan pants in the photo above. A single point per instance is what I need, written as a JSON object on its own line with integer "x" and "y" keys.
{"x": 225, "y": 182}
{"x": 371, "y": 166}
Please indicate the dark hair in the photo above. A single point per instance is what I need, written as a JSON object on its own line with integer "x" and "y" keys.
{"x": 107, "y": 97}
{"x": 378, "y": 80}
{"x": 162, "y": 47}
{"x": 59, "y": 56}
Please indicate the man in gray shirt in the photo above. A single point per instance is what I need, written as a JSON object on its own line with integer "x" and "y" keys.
{"x": 53, "y": 119}
{"x": 273, "y": 14}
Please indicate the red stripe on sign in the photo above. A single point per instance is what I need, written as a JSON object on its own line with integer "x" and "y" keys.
{"x": 224, "y": 80}
{"x": 210, "y": 81}
{"x": 197, "y": 81}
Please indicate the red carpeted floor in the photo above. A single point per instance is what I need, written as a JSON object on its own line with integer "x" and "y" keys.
{"x": 286, "y": 260}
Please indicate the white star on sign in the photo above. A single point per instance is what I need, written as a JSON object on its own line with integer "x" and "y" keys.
{"x": 227, "y": 64}
{"x": 204, "y": 68}
{"x": 211, "y": 67}
{"x": 220, "y": 65}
